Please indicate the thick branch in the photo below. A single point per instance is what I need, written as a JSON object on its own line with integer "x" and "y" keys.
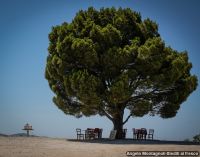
{"x": 107, "y": 115}
{"x": 136, "y": 83}
{"x": 153, "y": 93}
{"x": 127, "y": 118}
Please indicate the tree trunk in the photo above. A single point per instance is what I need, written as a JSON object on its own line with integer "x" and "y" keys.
{"x": 118, "y": 125}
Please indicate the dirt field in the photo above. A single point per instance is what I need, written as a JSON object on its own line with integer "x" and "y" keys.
{"x": 49, "y": 147}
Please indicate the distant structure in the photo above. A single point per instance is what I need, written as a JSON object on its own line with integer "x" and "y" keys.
{"x": 28, "y": 128}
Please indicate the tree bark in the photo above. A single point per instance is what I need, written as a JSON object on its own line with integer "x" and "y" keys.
{"x": 118, "y": 124}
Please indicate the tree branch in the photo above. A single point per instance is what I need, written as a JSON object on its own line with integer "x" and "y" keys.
{"x": 107, "y": 115}
{"x": 127, "y": 118}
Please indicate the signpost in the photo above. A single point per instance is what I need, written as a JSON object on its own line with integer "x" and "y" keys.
{"x": 113, "y": 134}
{"x": 28, "y": 128}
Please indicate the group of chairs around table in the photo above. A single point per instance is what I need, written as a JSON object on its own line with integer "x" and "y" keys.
{"x": 90, "y": 133}
{"x": 142, "y": 133}
{"x": 96, "y": 133}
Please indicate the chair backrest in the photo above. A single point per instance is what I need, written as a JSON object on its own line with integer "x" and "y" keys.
{"x": 100, "y": 130}
{"x": 144, "y": 130}
{"x": 90, "y": 130}
{"x": 78, "y": 131}
{"x": 124, "y": 131}
{"x": 134, "y": 131}
{"x": 96, "y": 130}
{"x": 151, "y": 131}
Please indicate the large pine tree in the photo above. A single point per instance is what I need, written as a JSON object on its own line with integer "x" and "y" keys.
{"x": 106, "y": 61}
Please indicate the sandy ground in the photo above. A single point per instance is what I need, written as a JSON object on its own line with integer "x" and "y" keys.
{"x": 49, "y": 147}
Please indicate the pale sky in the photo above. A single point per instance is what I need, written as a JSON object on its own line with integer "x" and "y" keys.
{"x": 25, "y": 95}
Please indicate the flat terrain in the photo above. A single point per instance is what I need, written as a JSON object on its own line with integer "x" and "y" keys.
{"x": 51, "y": 147}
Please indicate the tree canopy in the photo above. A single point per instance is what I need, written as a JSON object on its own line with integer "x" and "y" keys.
{"x": 196, "y": 138}
{"x": 109, "y": 60}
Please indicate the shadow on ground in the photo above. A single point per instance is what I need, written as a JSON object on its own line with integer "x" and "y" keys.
{"x": 131, "y": 141}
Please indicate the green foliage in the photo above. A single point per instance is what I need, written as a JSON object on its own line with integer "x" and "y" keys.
{"x": 196, "y": 138}
{"x": 108, "y": 60}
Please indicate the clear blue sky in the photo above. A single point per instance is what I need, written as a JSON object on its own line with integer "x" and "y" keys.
{"x": 25, "y": 95}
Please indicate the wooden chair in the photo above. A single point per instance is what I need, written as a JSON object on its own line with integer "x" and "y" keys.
{"x": 143, "y": 133}
{"x": 96, "y": 132}
{"x": 150, "y": 134}
{"x": 89, "y": 133}
{"x": 134, "y": 133}
{"x": 100, "y": 133}
{"x": 124, "y": 133}
{"x": 79, "y": 134}
{"x": 138, "y": 134}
